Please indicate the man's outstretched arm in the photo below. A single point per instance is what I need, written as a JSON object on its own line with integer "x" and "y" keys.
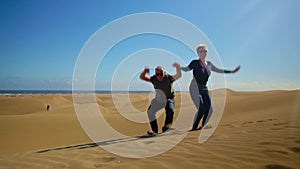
{"x": 178, "y": 71}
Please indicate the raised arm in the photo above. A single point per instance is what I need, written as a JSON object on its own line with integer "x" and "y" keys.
{"x": 215, "y": 69}
{"x": 143, "y": 75}
{"x": 178, "y": 71}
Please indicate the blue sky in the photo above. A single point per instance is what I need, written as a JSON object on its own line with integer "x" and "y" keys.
{"x": 40, "y": 41}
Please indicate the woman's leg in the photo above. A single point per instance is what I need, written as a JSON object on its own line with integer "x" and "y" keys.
{"x": 207, "y": 105}
{"x": 199, "y": 113}
{"x": 194, "y": 93}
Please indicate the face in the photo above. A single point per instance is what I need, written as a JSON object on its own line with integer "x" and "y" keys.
{"x": 202, "y": 53}
{"x": 159, "y": 74}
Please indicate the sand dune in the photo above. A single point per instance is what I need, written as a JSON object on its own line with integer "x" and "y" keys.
{"x": 257, "y": 130}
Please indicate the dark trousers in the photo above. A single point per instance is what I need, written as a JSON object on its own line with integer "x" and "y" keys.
{"x": 169, "y": 108}
{"x": 204, "y": 106}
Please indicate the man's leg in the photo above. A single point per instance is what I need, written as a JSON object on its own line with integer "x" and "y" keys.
{"x": 153, "y": 108}
{"x": 169, "y": 114}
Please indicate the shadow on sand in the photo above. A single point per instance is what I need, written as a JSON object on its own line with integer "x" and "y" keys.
{"x": 113, "y": 141}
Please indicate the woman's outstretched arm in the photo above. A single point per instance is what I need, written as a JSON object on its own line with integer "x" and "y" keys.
{"x": 215, "y": 69}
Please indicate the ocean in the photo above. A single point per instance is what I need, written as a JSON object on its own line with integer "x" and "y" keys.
{"x": 16, "y": 92}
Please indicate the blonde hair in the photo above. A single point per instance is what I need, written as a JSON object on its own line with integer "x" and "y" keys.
{"x": 201, "y": 46}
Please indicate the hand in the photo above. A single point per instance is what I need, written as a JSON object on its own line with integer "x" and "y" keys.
{"x": 236, "y": 69}
{"x": 147, "y": 70}
{"x": 176, "y": 64}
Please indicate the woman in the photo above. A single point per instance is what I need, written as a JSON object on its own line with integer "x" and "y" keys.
{"x": 201, "y": 72}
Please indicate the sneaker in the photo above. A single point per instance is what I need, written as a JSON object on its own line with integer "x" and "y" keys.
{"x": 150, "y": 133}
{"x": 164, "y": 129}
{"x": 195, "y": 129}
{"x": 167, "y": 127}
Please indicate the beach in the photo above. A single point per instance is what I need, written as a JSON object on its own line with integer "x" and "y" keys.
{"x": 256, "y": 130}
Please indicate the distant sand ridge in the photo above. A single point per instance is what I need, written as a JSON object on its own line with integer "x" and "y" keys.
{"x": 257, "y": 130}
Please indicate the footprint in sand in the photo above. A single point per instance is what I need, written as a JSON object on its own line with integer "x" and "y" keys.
{"x": 231, "y": 125}
{"x": 247, "y": 123}
{"x": 267, "y": 120}
{"x": 281, "y": 123}
{"x": 258, "y": 121}
{"x": 108, "y": 159}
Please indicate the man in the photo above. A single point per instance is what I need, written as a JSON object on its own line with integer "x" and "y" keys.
{"x": 163, "y": 85}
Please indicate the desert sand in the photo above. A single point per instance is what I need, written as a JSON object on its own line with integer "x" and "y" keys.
{"x": 257, "y": 130}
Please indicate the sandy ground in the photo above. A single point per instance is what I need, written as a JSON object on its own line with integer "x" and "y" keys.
{"x": 257, "y": 130}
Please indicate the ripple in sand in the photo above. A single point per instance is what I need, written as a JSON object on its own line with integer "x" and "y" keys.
{"x": 276, "y": 151}
{"x": 277, "y": 166}
{"x": 295, "y": 149}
